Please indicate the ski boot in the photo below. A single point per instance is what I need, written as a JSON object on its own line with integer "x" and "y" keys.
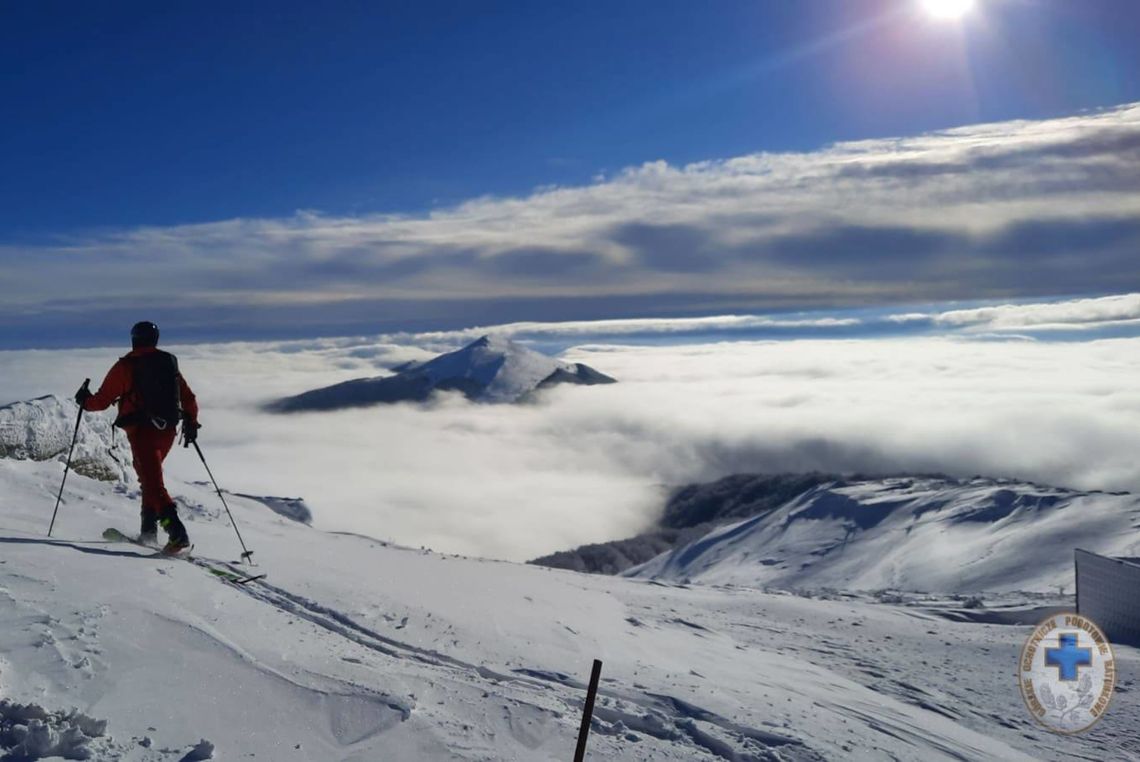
{"x": 148, "y": 534}
{"x": 178, "y": 540}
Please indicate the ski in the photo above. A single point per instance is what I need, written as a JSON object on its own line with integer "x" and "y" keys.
{"x": 114, "y": 535}
{"x": 237, "y": 579}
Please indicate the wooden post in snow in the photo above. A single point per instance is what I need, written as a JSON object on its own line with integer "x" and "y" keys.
{"x": 588, "y": 712}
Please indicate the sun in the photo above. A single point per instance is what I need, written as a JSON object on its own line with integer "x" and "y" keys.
{"x": 947, "y": 9}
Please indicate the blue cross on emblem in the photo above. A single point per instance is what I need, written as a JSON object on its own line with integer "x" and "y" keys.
{"x": 1068, "y": 658}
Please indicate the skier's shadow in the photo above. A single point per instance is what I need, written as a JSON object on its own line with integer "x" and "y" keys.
{"x": 72, "y": 545}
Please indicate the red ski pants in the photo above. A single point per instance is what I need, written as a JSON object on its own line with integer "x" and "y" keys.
{"x": 149, "y": 446}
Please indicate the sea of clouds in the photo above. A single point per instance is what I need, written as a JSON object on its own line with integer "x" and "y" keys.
{"x": 589, "y": 464}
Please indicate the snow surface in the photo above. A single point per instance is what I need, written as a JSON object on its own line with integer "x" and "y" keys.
{"x": 354, "y": 649}
{"x": 912, "y": 533}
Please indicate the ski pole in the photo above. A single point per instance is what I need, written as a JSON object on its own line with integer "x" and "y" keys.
{"x": 67, "y": 468}
{"x": 246, "y": 555}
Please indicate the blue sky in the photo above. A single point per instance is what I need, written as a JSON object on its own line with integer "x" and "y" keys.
{"x": 222, "y": 150}
{"x": 137, "y": 113}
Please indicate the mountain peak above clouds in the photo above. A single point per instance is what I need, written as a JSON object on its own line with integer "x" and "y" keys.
{"x": 491, "y": 369}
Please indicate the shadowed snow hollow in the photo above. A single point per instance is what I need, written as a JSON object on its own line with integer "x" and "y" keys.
{"x": 491, "y": 369}
{"x": 912, "y": 534}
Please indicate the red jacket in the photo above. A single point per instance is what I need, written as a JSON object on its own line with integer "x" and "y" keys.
{"x": 116, "y": 387}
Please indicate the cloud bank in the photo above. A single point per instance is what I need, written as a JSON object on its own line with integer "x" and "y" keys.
{"x": 999, "y": 211}
{"x": 589, "y": 464}
{"x": 1084, "y": 318}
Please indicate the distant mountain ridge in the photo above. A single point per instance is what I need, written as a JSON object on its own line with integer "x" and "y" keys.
{"x": 912, "y": 532}
{"x": 690, "y": 512}
{"x": 491, "y": 369}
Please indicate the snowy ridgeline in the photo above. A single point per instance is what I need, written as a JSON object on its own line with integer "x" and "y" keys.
{"x": 492, "y": 369}
{"x": 41, "y": 429}
{"x": 690, "y": 513}
{"x": 813, "y": 531}
{"x": 929, "y": 534}
{"x": 353, "y": 649}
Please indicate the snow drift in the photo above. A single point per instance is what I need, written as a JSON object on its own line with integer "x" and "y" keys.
{"x": 491, "y": 369}
{"x": 933, "y": 534}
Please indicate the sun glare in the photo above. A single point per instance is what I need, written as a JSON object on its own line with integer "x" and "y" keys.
{"x": 947, "y": 9}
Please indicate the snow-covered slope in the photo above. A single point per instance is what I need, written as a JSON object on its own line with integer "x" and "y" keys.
{"x": 690, "y": 512}
{"x": 491, "y": 369}
{"x": 354, "y": 649}
{"x": 500, "y": 369}
{"x": 912, "y": 534}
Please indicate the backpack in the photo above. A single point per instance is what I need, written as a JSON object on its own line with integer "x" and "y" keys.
{"x": 155, "y": 389}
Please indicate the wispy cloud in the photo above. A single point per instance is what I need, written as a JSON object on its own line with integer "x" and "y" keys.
{"x": 1088, "y": 316}
{"x": 1077, "y": 314}
{"x": 631, "y": 327}
{"x": 993, "y": 211}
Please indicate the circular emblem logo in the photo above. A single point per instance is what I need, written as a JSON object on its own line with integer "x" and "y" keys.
{"x": 1067, "y": 673}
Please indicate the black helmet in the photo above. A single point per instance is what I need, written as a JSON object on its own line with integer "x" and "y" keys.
{"x": 144, "y": 334}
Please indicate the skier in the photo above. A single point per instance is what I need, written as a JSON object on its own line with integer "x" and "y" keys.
{"x": 152, "y": 397}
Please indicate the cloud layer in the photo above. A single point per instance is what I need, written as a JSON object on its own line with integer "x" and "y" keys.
{"x": 1114, "y": 315}
{"x": 589, "y": 464}
{"x": 993, "y": 211}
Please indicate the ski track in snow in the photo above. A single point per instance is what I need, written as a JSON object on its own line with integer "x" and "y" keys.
{"x": 355, "y": 649}
{"x": 662, "y": 717}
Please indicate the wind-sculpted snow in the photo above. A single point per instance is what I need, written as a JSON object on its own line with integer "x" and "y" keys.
{"x": 355, "y": 649}
{"x": 30, "y": 732}
{"x": 292, "y": 508}
{"x": 492, "y": 369}
{"x": 912, "y": 534}
{"x": 41, "y": 429}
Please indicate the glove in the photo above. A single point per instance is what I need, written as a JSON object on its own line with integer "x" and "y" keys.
{"x": 83, "y": 395}
{"x": 190, "y": 432}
